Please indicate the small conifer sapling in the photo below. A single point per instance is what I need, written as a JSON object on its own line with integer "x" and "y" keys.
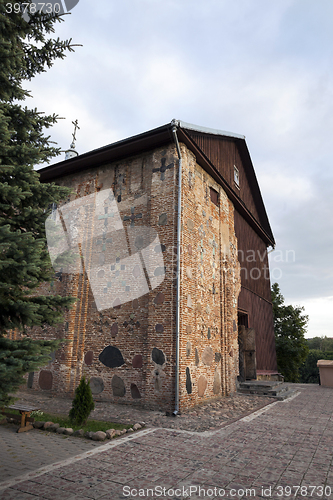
{"x": 83, "y": 403}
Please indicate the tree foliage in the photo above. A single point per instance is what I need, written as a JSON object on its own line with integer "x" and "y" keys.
{"x": 26, "y": 49}
{"x": 319, "y": 348}
{"x": 290, "y": 325}
{"x": 19, "y": 357}
{"x": 323, "y": 344}
{"x": 83, "y": 403}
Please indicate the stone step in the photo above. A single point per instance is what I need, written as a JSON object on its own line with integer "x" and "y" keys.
{"x": 274, "y": 389}
{"x": 285, "y": 395}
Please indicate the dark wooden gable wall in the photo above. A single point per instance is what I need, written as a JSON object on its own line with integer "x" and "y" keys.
{"x": 255, "y": 296}
{"x": 224, "y": 154}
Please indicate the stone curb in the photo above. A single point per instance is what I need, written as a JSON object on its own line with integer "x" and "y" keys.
{"x": 95, "y": 436}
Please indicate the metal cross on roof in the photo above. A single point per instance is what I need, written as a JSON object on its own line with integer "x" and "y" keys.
{"x": 76, "y": 126}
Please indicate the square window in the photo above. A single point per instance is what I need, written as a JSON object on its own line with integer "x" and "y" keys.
{"x": 214, "y": 196}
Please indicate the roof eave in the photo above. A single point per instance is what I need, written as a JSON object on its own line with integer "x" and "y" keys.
{"x": 116, "y": 151}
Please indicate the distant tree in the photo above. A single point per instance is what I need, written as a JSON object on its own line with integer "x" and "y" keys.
{"x": 309, "y": 372}
{"x": 319, "y": 348}
{"x": 290, "y": 327}
{"x": 321, "y": 343}
{"x": 26, "y": 49}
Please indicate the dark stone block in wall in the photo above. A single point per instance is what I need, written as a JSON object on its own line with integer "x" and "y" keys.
{"x": 159, "y": 271}
{"x": 217, "y": 357}
{"x": 137, "y": 361}
{"x": 207, "y": 356}
{"x": 116, "y": 304}
{"x": 45, "y": 380}
{"x": 135, "y": 304}
{"x": 30, "y": 380}
{"x": 52, "y": 356}
{"x": 118, "y": 386}
{"x": 114, "y": 330}
{"x": 96, "y": 385}
{"x": 88, "y": 359}
{"x": 160, "y": 248}
{"x": 188, "y": 381}
{"x": 158, "y": 356}
{"x": 202, "y": 386}
{"x": 188, "y": 349}
{"x": 135, "y": 393}
{"x": 162, "y": 220}
{"x": 136, "y": 271}
{"x": 159, "y": 328}
{"x": 111, "y": 357}
{"x": 139, "y": 242}
{"x": 160, "y": 298}
{"x": 217, "y": 382}
{"x": 197, "y": 360}
{"x": 190, "y": 224}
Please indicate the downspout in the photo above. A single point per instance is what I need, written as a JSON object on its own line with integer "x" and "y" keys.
{"x": 174, "y": 124}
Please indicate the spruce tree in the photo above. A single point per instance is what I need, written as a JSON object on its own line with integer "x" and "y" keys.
{"x": 26, "y": 49}
{"x": 83, "y": 403}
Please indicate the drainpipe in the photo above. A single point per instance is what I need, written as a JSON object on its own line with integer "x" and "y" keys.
{"x": 174, "y": 124}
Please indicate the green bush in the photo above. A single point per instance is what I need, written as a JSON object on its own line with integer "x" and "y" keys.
{"x": 309, "y": 373}
{"x": 82, "y": 405}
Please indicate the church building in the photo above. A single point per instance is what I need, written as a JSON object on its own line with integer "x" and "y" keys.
{"x": 163, "y": 242}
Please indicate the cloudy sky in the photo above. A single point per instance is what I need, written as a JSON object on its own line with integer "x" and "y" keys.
{"x": 259, "y": 68}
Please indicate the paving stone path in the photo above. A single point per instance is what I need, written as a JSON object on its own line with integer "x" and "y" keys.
{"x": 206, "y": 417}
{"x": 282, "y": 451}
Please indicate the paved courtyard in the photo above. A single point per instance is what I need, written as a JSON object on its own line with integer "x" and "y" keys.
{"x": 283, "y": 450}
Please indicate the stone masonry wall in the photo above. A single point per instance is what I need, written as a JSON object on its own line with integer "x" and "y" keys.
{"x": 127, "y": 349}
{"x": 124, "y": 340}
{"x": 209, "y": 290}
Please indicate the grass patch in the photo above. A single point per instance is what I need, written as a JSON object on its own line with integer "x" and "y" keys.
{"x": 63, "y": 421}
{"x": 91, "y": 426}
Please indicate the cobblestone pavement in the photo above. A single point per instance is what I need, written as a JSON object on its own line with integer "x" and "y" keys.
{"x": 206, "y": 417}
{"x": 28, "y": 451}
{"x": 22, "y": 453}
{"x": 281, "y": 451}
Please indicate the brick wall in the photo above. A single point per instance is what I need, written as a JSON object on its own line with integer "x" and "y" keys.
{"x": 128, "y": 348}
{"x": 210, "y": 285}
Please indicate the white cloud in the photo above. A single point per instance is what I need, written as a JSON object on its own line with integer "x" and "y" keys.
{"x": 320, "y": 312}
{"x": 288, "y": 191}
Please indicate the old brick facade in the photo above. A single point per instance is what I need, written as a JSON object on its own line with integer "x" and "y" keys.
{"x": 121, "y": 331}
